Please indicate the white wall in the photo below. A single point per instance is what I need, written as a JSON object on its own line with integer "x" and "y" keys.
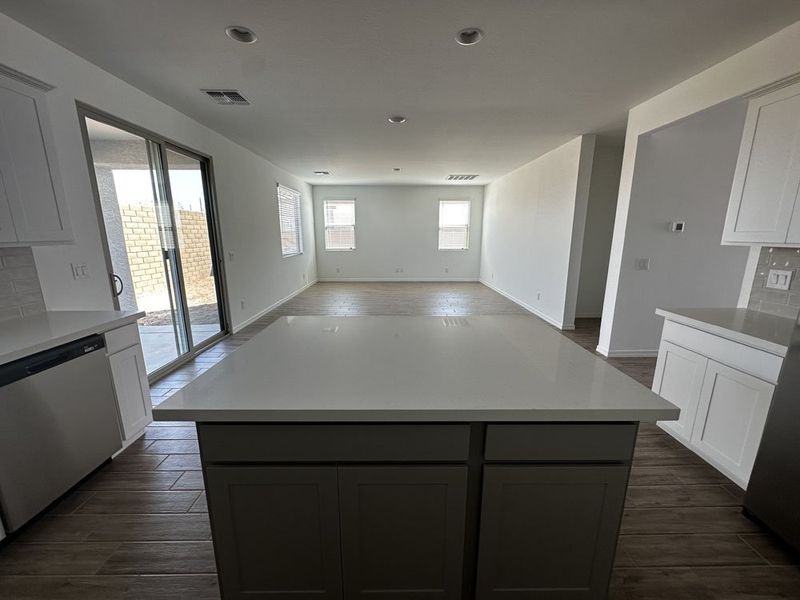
{"x": 398, "y": 227}
{"x": 603, "y": 190}
{"x": 772, "y": 59}
{"x": 683, "y": 172}
{"x": 533, "y": 231}
{"x": 245, "y": 185}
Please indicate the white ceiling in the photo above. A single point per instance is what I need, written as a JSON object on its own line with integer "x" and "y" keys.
{"x": 325, "y": 74}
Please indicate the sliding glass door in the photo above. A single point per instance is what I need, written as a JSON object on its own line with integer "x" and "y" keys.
{"x": 188, "y": 188}
{"x": 161, "y": 246}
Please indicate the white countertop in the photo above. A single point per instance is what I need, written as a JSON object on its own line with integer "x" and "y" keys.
{"x": 492, "y": 368}
{"x": 752, "y": 328}
{"x": 27, "y": 335}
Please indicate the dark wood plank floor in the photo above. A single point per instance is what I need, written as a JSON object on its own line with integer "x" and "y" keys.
{"x": 138, "y": 528}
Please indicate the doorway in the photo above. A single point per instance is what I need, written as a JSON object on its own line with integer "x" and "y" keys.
{"x": 162, "y": 247}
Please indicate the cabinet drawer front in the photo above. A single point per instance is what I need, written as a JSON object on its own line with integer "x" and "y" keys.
{"x": 226, "y": 443}
{"x": 124, "y": 337}
{"x": 546, "y": 442}
{"x": 739, "y": 356}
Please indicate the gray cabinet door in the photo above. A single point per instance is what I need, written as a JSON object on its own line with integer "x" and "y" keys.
{"x": 549, "y": 531}
{"x": 403, "y": 531}
{"x": 276, "y": 531}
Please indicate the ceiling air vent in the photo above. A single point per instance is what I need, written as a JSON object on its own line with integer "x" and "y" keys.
{"x": 227, "y": 97}
{"x": 461, "y": 177}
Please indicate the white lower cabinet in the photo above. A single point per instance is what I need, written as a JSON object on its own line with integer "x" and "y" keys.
{"x": 723, "y": 407}
{"x": 730, "y": 418}
{"x": 679, "y": 379}
{"x": 130, "y": 385}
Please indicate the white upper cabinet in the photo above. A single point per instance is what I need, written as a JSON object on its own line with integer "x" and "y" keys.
{"x": 763, "y": 208}
{"x": 32, "y": 207}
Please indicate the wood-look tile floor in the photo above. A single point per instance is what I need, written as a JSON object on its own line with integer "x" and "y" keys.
{"x": 138, "y": 528}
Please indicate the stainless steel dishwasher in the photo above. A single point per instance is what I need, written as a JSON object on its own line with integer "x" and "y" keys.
{"x": 58, "y": 422}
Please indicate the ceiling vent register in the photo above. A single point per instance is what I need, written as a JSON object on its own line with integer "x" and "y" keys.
{"x": 227, "y": 97}
{"x": 461, "y": 177}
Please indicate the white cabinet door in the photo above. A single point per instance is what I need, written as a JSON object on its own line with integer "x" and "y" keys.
{"x": 767, "y": 175}
{"x": 30, "y": 176}
{"x": 793, "y": 237}
{"x": 133, "y": 392}
{"x": 7, "y": 231}
{"x": 730, "y": 419}
{"x": 679, "y": 379}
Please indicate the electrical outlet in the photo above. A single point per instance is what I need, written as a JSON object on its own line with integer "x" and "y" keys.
{"x": 79, "y": 271}
{"x": 642, "y": 264}
{"x": 778, "y": 279}
{"x": 447, "y": 269}
{"x": 244, "y": 302}
{"x": 231, "y": 256}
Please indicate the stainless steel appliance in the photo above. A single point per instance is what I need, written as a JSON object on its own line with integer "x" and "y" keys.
{"x": 773, "y": 494}
{"x": 58, "y": 422}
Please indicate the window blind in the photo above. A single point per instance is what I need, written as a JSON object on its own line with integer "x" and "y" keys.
{"x": 454, "y": 224}
{"x": 340, "y": 224}
{"x": 289, "y": 219}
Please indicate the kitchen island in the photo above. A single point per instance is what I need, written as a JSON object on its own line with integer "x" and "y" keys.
{"x": 414, "y": 457}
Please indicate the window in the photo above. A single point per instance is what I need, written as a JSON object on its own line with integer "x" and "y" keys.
{"x": 289, "y": 218}
{"x": 454, "y": 224}
{"x": 340, "y": 224}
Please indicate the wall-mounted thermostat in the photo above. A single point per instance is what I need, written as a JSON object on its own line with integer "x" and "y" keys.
{"x": 678, "y": 226}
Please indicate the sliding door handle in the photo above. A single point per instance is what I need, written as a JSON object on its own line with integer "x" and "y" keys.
{"x": 117, "y": 284}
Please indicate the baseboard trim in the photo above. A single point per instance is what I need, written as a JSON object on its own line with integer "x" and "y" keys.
{"x": 272, "y": 307}
{"x": 397, "y": 279}
{"x": 589, "y": 316}
{"x": 529, "y": 308}
{"x": 627, "y": 353}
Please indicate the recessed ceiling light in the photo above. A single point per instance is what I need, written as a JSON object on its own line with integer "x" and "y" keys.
{"x": 469, "y": 36}
{"x": 322, "y": 172}
{"x": 397, "y": 119}
{"x": 241, "y": 34}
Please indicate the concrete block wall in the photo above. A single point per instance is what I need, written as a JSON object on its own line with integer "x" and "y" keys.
{"x": 144, "y": 247}
{"x": 194, "y": 245}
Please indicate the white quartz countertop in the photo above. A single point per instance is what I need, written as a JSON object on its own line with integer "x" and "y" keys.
{"x": 752, "y": 328}
{"x": 487, "y": 368}
{"x": 28, "y": 335}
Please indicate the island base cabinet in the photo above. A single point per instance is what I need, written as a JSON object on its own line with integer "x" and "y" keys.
{"x": 329, "y": 532}
{"x": 403, "y": 531}
{"x": 549, "y": 531}
{"x": 276, "y": 531}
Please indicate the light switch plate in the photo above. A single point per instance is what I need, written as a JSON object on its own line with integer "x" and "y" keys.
{"x": 778, "y": 279}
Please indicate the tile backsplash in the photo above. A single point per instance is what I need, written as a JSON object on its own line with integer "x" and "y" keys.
{"x": 20, "y": 290}
{"x": 784, "y": 303}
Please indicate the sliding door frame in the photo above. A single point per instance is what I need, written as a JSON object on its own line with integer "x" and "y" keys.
{"x": 212, "y": 216}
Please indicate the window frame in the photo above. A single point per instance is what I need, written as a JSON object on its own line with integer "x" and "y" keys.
{"x": 325, "y": 225}
{"x": 298, "y": 220}
{"x": 468, "y": 201}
